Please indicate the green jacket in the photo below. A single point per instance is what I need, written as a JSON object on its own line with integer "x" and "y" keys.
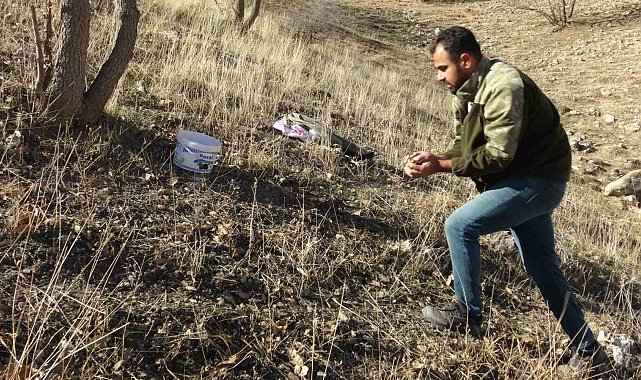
{"x": 505, "y": 126}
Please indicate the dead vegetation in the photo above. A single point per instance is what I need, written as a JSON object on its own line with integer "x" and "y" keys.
{"x": 289, "y": 261}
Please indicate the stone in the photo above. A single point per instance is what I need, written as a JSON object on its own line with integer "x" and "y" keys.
{"x": 173, "y": 34}
{"x": 629, "y": 184}
{"x": 582, "y": 146}
{"x": 14, "y": 140}
{"x": 635, "y": 127}
{"x": 632, "y": 201}
{"x": 605, "y": 92}
{"x": 593, "y": 111}
{"x": 609, "y": 119}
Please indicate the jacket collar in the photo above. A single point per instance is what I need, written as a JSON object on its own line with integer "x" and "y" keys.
{"x": 470, "y": 87}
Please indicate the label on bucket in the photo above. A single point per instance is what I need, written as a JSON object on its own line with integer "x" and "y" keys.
{"x": 193, "y": 159}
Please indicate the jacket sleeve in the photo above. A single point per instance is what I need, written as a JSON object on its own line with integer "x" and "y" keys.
{"x": 455, "y": 150}
{"x": 502, "y": 110}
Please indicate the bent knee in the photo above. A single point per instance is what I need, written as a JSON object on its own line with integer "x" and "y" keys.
{"x": 455, "y": 225}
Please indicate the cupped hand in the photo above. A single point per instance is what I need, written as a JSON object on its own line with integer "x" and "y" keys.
{"x": 421, "y": 164}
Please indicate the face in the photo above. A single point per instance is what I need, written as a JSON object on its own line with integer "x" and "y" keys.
{"x": 452, "y": 72}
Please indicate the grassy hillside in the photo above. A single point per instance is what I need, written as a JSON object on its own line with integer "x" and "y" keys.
{"x": 289, "y": 260}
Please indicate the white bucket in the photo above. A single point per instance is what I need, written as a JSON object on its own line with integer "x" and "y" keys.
{"x": 196, "y": 152}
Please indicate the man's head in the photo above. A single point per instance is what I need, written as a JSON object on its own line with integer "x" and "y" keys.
{"x": 455, "y": 53}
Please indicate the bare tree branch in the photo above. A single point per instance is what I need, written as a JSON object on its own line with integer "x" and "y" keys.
{"x": 240, "y": 11}
{"x": 571, "y": 11}
{"x": 39, "y": 55}
{"x": 557, "y": 12}
{"x": 107, "y": 79}
{"x": 48, "y": 47}
{"x": 252, "y": 17}
{"x": 540, "y": 12}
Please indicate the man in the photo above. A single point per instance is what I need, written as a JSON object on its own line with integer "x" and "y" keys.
{"x": 510, "y": 142}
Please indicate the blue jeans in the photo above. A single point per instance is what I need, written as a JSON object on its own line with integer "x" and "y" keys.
{"x": 524, "y": 205}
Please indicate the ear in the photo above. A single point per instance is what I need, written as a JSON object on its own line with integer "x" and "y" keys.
{"x": 467, "y": 62}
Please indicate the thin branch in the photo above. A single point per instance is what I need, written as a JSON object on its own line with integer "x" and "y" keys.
{"x": 48, "y": 47}
{"x": 571, "y": 10}
{"x": 540, "y": 12}
{"x": 553, "y": 10}
{"x": 49, "y": 33}
{"x": 240, "y": 11}
{"x": 114, "y": 67}
{"x": 252, "y": 17}
{"x": 39, "y": 55}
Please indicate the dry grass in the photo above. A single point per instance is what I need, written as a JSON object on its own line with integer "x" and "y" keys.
{"x": 287, "y": 257}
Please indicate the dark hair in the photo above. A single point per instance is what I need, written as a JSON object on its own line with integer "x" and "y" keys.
{"x": 457, "y": 40}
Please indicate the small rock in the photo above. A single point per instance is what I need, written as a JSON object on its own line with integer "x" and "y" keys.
{"x": 629, "y": 184}
{"x": 635, "y": 127}
{"x": 593, "y": 112}
{"x": 609, "y": 119}
{"x": 582, "y": 146}
{"x": 173, "y": 34}
{"x": 14, "y": 140}
{"x": 632, "y": 201}
{"x": 621, "y": 346}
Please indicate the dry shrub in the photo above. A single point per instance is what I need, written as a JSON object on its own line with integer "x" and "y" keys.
{"x": 558, "y": 12}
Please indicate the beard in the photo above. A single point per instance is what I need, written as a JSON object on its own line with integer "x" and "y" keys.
{"x": 461, "y": 78}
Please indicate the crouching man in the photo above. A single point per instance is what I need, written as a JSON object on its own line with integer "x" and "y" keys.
{"x": 510, "y": 142}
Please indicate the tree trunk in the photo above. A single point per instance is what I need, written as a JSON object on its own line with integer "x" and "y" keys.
{"x": 240, "y": 12}
{"x": 107, "y": 79}
{"x": 64, "y": 94}
{"x": 252, "y": 17}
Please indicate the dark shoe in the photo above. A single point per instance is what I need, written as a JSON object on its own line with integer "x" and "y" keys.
{"x": 594, "y": 365}
{"x": 452, "y": 318}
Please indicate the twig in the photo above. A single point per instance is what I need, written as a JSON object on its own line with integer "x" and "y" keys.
{"x": 48, "y": 75}
{"x": 542, "y": 13}
{"x": 564, "y": 13}
{"x": 571, "y": 10}
{"x": 85, "y": 346}
{"x": 82, "y": 303}
{"x": 39, "y": 54}
{"x": 338, "y": 321}
{"x": 218, "y": 5}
